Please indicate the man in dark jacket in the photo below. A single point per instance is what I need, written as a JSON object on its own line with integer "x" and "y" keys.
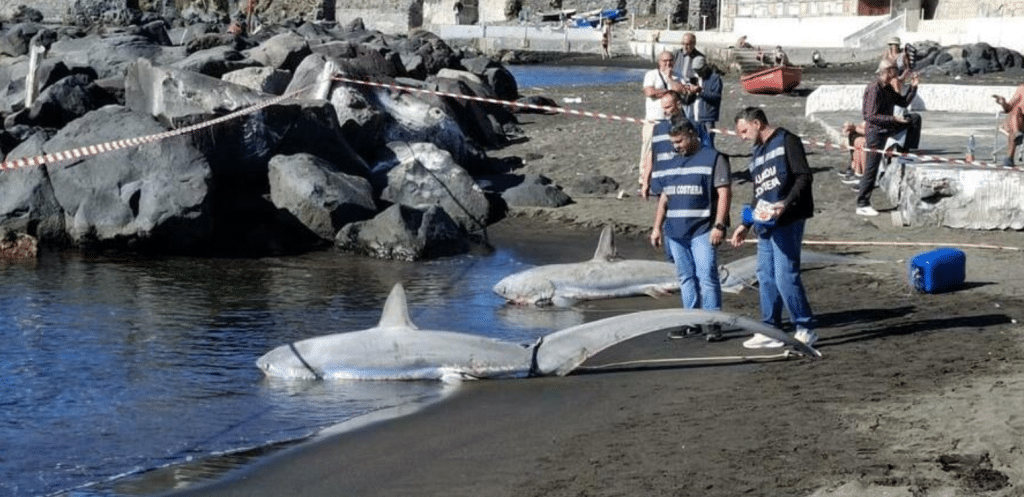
{"x": 880, "y": 98}
{"x": 783, "y": 200}
{"x": 709, "y": 100}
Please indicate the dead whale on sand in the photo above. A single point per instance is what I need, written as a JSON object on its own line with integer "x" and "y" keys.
{"x": 397, "y": 350}
{"x": 602, "y": 277}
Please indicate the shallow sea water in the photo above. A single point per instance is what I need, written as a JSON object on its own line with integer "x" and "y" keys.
{"x": 127, "y": 376}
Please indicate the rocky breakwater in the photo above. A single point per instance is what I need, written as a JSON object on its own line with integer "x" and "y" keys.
{"x": 379, "y": 171}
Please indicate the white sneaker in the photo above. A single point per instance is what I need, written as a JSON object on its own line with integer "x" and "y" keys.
{"x": 808, "y": 337}
{"x": 759, "y": 341}
{"x": 866, "y": 211}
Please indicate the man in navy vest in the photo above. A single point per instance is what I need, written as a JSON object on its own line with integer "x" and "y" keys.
{"x": 692, "y": 218}
{"x": 782, "y": 194}
{"x": 661, "y": 149}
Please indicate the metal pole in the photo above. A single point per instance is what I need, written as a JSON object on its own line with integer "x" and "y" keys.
{"x": 720, "y": 5}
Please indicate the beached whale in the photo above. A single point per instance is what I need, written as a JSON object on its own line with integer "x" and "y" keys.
{"x": 397, "y": 350}
{"x": 602, "y": 277}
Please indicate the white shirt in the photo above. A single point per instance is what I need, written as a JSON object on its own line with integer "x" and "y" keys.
{"x": 652, "y": 105}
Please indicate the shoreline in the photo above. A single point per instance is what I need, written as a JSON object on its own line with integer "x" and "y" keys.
{"x": 917, "y": 394}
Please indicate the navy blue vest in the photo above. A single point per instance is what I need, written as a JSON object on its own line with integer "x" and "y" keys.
{"x": 692, "y": 198}
{"x": 662, "y": 152}
{"x": 770, "y": 170}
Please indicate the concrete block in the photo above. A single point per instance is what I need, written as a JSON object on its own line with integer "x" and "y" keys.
{"x": 955, "y": 196}
{"x": 943, "y": 98}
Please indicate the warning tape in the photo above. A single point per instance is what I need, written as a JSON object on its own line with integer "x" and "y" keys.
{"x": 562, "y": 110}
{"x": 90, "y": 150}
{"x": 100, "y": 148}
{"x": 826, "y": 145}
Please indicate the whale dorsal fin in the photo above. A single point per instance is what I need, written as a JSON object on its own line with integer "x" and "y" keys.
{"x": 606, "y": 246}
{"x": 396, "y": 310}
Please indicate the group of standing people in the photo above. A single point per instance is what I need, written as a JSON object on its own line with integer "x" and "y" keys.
{"x": 692, "y": 180}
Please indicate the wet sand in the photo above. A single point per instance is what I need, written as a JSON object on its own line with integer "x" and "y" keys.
{"x": 917, "y": 394}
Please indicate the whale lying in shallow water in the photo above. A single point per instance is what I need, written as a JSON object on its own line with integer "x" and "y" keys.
{"x": 602, "y": 277}
{"x": 397, "y": 350}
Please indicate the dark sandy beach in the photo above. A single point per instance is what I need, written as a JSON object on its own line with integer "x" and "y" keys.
{"x": 917, "y": 394}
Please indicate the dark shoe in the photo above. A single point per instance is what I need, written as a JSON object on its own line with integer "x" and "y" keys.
{"x": 713, "y": 333}
{"x": 1008, "y": 162}
{"x": 683, "y": 332}
{"x": 849, "y": 179}
{"x": 845, "y": 172}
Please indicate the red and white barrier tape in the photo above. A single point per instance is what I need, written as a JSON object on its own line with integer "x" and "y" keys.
{"x": 100, "y": 148}
{"x": 827, "y": 146}
{"x": 562, "y": 110}
{"x": 133, "y": 142}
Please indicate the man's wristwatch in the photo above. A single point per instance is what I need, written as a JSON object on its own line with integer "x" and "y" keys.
{"x": 722, "y": 227}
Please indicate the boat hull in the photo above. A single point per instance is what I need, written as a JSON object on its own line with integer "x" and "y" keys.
{"x": 772, "y": 80}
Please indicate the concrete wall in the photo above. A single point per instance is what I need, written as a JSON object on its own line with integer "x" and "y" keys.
{"x": 996, "y": 31}
{"x": 812, "y": 8}
{"x": 940, "y": 98}
{"x": 800, "y": 31}
{"x": 543, "y": 39}
{"x": 966, "y": 9}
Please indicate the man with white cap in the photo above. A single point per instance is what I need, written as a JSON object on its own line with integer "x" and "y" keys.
{"x": 879, "y": 100}
{"x": 901, "y": 58}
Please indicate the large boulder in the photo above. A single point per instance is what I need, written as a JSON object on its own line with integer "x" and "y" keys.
{"x": 171, "y": 94}
{"x": 150, "y": 197}
{"x": 481, "y": 120}
{"x": 535, "y": 191}
{"x": 65, "y": 101}
{"x": 215, "y": 62}
{"x": 405, "y": 233}
{"x": 283, "y": 51}
{"x": 15, "y": 41}
{"x": 362, "y": 123}
{"x": 319, "y": 196}
{"x": 261, "y": 79}
{"x": 414, "y": 119}
{"x": 28, "y": 204}
{"x": 111, "y": 55}
{"x": 12, "y": 80}
{"x": 240, "y": 149}
{"x": 421, "y": 175}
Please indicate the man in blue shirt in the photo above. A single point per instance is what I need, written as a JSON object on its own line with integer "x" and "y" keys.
{"x": 782, "y": 191}
{"x": 692, "y": 217}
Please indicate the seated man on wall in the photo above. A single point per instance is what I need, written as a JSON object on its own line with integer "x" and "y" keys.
{"x": 1014, "y": 124}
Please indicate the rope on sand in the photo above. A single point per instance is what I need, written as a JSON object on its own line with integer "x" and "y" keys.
{"x": 912, "y": 244}
{"x": 786, "y": 354}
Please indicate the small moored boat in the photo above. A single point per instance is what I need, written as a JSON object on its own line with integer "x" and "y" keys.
{"x": 772, "y": 80}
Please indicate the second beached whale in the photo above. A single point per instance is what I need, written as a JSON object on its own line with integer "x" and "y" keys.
{"x": 607, "y": 276}
{"x": 602, "y": 277}
{"x": 397, "y": 350}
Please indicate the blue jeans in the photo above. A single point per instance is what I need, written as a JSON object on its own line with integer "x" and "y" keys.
{"x": 697, "y": 266}
{"x": 778, "y": 276}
